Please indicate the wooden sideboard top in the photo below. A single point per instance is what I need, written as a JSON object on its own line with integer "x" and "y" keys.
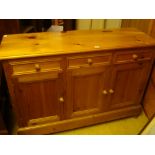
{"x": 77, "y": 41}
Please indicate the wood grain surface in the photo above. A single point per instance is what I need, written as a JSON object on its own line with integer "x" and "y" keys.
{"x": 55, "y": 43}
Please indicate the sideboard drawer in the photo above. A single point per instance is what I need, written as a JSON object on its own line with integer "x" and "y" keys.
{"x": 89, "y": 60}
{"x": 34, "y": 66}
{"x": 126, "y": 57}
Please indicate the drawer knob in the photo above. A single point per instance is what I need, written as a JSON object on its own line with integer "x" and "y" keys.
{"x": 37, "y": 67}
{"x": 104, "y": 92}
{"x": 134, "y": 56}
{"x": 61, "y": 99}
{"x": 111, "y": 91}
{"x": 90, "y": 61}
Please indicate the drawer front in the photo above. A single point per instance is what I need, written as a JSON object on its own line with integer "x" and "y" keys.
{"x": 89, "y": 60}
{"x": 34, "y": 66}
{"x": 126, "y": 57}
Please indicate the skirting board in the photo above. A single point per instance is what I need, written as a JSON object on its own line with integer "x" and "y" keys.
{"x": 58, "y": 126}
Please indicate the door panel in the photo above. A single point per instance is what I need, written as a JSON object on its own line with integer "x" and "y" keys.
{"x": 38, "y": 100}
{"x": 85, "y": 87}
{"x": 127, "y": 83}
{"x": 86, "y": 24}
{"x": 84, "y": 91}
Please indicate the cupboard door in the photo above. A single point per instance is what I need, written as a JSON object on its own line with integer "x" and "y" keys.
{"x": 86, "y": 91}
{"x": 127, "y": 84}
{"x": 39, "y": 98}
{"x": 2, "y": 126}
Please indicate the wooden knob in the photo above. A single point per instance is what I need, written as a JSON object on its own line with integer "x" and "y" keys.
{"x": 90, "y": 61}
{"x": 134, "y": 56}
{"x": 111, "y": 91}
{"x": 37, "y": 67}
{"x": 104, "y": 92}
{"x": 61, "y": 99}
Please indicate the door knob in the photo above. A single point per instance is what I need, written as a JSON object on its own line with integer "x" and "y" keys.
{"x": 37, "y": 67}
{"x": 134, "y": 56}
{"x": 61, "y": 99}
{"x": 111, "y": 91}
{"x": 104, "y": 92}
{"x": 90, "y": 61}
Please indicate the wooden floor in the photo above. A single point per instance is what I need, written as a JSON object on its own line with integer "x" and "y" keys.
{"x": 128, "y": 126}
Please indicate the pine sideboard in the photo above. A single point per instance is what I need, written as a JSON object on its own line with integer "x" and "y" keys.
{"x": 65, "y": 80}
